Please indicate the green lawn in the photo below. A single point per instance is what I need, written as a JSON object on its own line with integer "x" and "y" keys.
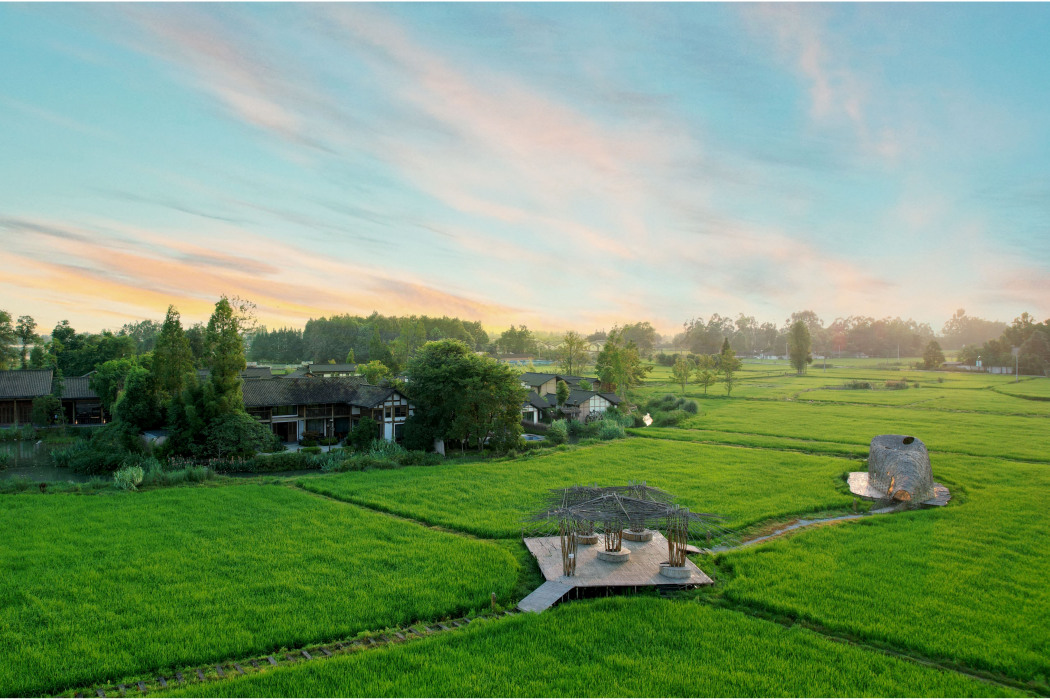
{"x": 966, "y": 582}
{"x": 97, "y": 587}
{"x": 490, "y": 498}
{"x": 614, "y": 647}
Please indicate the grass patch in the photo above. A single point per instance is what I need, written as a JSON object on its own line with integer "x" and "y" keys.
{"x": 99, "y": 587}
{"x": 966, "y": 582}
{"x": 747, "y": 486}
{"x": 613, "y": 647}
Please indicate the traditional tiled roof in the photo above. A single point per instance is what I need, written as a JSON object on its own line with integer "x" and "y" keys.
{"x": 24, "y": 383}
{"x": 612, "y": 398}
{"x": 537, "y": 401}
{"x": 293, "y": 375}
{"x": 578, "y": 396}
{"x": 281, "y": 391}
{"x": 539, "y": 378}
{"x": 246, "y": 373}
{"x": 370, "y": 396}
{"x": 535, "y": 378}
{"x": 320, "y": 367}
{"x": 574, "y": 382}
{"x": 77, "y": 388}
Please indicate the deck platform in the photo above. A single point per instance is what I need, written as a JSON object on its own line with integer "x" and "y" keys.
{"x": 643, "y": 569}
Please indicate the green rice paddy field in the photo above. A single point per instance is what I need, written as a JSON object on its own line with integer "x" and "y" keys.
{"x": 937, "y": 602}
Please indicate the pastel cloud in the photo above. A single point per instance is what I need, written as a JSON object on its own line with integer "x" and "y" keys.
{"x": 380, "y": 162}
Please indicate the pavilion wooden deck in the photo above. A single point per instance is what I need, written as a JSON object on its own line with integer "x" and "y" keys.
{"x": 643, "y": 569}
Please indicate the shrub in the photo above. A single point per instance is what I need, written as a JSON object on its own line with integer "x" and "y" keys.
{"x": 615, "y": 415}
{"x": 691, "y": 407}
{"x": 382, "y": 449}
{"x": 307, "y": 442}
{"x": 669, "y": 419}
{"x": 857, "y": 384}
{"x": 128, "y": 477}
{"x": 897, "y": 384}
{"x": 5, "y": 460}
{"x": 311, "y": 450}
{"x": 667, "y": 402}
{"x": 610, "y": 430}
{"x": 361, "y": 437}
{"x": 558, "y": 433}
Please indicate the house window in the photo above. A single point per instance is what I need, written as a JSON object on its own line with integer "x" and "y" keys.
{"x": 316, "y": 426}
{"x": 285, "y": 411}
{"x": 400, "y": 411}
{"x": 399, "y": 431}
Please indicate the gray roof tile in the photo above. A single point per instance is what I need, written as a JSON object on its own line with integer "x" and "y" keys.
{"x": 24, "y": 383}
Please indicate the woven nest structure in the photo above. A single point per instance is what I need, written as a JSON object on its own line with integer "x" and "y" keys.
{"x": 577, "y": 512}
{"x": 899, "y": 471}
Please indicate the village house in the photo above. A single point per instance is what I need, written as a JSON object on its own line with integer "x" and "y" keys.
{"x": 18, "y": 388}
{"x": 583, "y": 404}
{"x": 327, "y": 406}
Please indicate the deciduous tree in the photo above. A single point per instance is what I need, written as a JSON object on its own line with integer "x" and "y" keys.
{"x": 461, "y": 396}
{"x": 681, "y": 370}
{"x": 374, "y": 371}
{"x": 8, "y": 337}
{"x": 933, "y": 356}
{"x": 26, "y": 331}
{"x": 573, "y": 353}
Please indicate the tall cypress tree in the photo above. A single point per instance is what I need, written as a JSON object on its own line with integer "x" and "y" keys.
{"x": 172, "y": 357}
{"x": 225, "y": 356}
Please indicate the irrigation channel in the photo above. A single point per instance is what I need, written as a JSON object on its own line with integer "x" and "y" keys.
{"x": 798, "y": 525}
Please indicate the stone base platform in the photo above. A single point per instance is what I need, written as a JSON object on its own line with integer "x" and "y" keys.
{"x": 643, "y": 536}
{"x": 620, "y": 557}
{"x": 860, "y": 485}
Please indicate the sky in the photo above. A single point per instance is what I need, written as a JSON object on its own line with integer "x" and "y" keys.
{"x": 558, "y": 165}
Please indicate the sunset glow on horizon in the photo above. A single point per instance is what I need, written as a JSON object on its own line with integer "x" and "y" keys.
{"x": 562, "y": 166}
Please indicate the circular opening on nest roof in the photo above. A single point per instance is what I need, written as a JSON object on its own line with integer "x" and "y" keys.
{"x": 909, "y": 440}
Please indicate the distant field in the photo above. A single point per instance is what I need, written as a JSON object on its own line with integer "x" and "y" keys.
{"x": 490, "y": 499}
{"x": 966, "y": 582}
{"x": 614, "y": 647}
{"x": 1026, "y": 438}
{"x": 1039, "y": 388}
{"x": 97, "y": 587}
